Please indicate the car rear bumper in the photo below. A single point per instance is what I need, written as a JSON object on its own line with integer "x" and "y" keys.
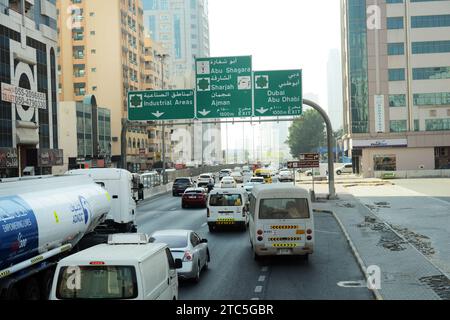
{"x": 188, "y": 271}
{"x": 194, "y": 202}
{"x": 271, "y": 251}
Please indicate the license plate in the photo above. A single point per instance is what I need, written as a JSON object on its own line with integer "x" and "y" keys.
{"x": 192, "y": 197}
{"x": 284, "y": 251}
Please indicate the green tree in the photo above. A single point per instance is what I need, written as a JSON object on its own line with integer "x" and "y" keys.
{"x": 307, "y": 133}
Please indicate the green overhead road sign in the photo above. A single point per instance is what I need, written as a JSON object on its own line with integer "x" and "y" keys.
{"x": 224, "y": 87}
{"x": 278, "y": 93}
{"x": 161, "y": 105}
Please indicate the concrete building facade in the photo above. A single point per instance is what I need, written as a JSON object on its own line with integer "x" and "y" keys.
{"x": 103, "y": 54}
{"x": 29, "y": 102}
{"x": 396, "y": 84}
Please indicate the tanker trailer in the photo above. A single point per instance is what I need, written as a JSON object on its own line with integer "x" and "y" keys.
{"x": 41, "y": 221}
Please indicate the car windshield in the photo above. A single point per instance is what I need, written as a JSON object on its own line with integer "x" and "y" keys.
{"x": 97, "y": 282}
{"x": 225, "y": 200}
{"x": 205, "y": 177}
{"x": 173, "y": 241}
{"x": 284, "y": 209}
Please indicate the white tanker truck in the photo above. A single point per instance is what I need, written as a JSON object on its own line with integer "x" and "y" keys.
{"x": 42, "y": 220}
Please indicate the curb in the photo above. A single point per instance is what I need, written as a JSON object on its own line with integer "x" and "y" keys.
{"x": 355, "y": 252}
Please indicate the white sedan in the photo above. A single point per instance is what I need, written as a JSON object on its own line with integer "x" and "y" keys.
{"x": 228, "y": 182}
{"x": 188, "y": 246}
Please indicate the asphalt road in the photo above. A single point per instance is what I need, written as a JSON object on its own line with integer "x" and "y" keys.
{"x": 437, "y": 188}
{"x": 234, "y": 275}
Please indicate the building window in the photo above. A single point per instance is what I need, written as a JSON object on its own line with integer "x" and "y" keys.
{"x": 426, "y": 47}
{"x": 397, "y": 100}
{"x": 435, "y": 21}
{"x": 385, "y": 163}
{"x": 395, "y": 23}
{"x": 416, "y": 125}
{"x": 437, "y": 124}
{"x": 432, "y": 99}
{"x": 396, "y": 74}
{"x": 431, "y": 73}
{"x": 396, "y": 49}
{"x": 398, "y": 125}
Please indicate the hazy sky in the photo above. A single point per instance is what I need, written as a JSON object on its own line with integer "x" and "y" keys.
{"x": 279, "y": 34}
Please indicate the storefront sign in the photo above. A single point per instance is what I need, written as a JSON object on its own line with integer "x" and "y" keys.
{"x": 8, "y": 158}
{"x": 379, "y": 143}
{"x": 24, "y": 97}
{"x": 50, "y": 157}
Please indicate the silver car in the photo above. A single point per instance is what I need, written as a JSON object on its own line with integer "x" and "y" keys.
{"x": 187, "y": 246}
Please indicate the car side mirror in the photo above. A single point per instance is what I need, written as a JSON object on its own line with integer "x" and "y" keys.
{"x": 178, "y": 264}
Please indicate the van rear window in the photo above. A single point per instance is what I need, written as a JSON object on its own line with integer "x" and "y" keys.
{"x": 97, "y": 282}
{"x": 225, "y": 200}
{"x": 283, "y": 209}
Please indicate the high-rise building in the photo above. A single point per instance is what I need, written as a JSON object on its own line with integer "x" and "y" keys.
{"x": 29, "y": 102}
{"x": 103, "y": 54}
{"x": 334, "y": 81}
{"x": 396, "y": 80}
{"x": 182, "y": 27}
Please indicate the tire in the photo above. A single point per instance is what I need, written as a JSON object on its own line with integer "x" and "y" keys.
{"x": 183, "y": 206}
{"x": 174, "y": 194}
{"x": 30, "y": 290}
{"x": 339, "y": 172}
{"x": 12, "y": 294}
{"x": 305, "y": 257}
{"x": 211, "y": 228}
{"x": 206, "y": 266}
{"x": 197, "y": 276}
{"x": 256, "y": 257}
{"x": 46, "y": 283}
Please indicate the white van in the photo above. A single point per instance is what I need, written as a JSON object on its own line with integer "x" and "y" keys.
{"x": 281, "y": 221}
{"x": 227, "y": 207}
{"x": 127, "y": 268}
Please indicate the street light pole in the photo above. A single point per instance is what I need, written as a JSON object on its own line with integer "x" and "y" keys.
{"x": 162, "y": 57}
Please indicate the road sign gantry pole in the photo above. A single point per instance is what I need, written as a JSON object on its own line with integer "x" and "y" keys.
{"x": 331, "y": 186}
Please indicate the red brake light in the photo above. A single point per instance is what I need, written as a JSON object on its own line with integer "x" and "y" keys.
{"x": 259, "y": 232}
{"x": 96, "y": 263}
{"x": 187, "y": 256}
{"x": 309, "y": 231}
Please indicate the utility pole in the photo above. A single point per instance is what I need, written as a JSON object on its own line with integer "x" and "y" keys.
{"x": 162, "y": 57}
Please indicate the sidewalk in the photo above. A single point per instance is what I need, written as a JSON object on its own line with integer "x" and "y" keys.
{"x": 406, "y": 273}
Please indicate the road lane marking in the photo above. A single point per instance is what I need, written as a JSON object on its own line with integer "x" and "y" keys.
{"x": 204, "y": 225}
{"x": 258, "y": 289}
{"x": 255, "y": 299}
{"x": 262, "y": 279}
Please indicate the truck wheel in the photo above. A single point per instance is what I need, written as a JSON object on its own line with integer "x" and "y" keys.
{"x": 211, "y": 228}
{"x": 12, "y": 293}
{"x": 46, "y": 284}
{"x": 255, "y": 256}
{"x": 339, "y": 172}
{"x": 31, "y": 290}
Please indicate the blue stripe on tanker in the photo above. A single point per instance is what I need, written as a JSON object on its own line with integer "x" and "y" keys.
{"x": 19, "y": 234}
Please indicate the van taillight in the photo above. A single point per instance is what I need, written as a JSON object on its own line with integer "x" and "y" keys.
{"x": 260, "y": 238}
{"x": 259, "y": 232}
{"x": 309, "y": 231}
{"x": 187, "y": 256}
{"x": 96, "y": 263}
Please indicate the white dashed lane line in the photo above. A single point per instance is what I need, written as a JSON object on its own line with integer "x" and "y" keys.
{"x": 258, "y": 289}
{"x": 262, "y": 279}
{"x": 204, "y": 225}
